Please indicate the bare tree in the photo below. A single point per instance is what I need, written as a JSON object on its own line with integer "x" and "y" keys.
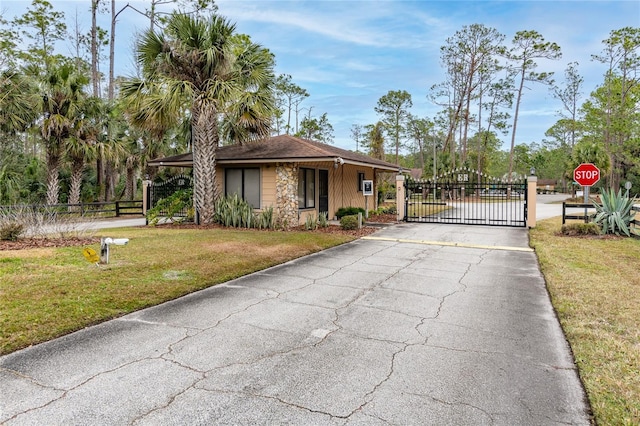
{"x": 471, "y": 56}
{"x": 528, "y": 46}
{"x": 570, "y": 96}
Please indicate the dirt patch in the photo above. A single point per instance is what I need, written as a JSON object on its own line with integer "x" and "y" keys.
{"x": 31, "y": 243}
{"x": 383, "y": 218}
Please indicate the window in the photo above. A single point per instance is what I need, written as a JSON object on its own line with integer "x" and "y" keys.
{"x": 360, "y": 179}
{"x": 306, "y": 188}
{"x": 245, "y": 183}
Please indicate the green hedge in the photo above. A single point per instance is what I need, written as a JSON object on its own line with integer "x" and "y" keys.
{"x": 349, "y": 222}
{"x": 349, "y": 211}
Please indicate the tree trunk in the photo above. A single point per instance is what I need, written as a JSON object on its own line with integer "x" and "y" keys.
{"x": 129, "y": 190}
{"x": 112, "y": 42}
{"x": 94, "y": 48}
{"x": 76, "y": 181}
{"x": 515, "y": 122}
{"x": 109, "y": 190}
{"x": 53, "y": 181}
{"x": 205, "y": 144}
{"x": 100, "y": 178}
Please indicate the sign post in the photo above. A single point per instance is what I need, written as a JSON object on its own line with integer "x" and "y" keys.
{"x": 367, "y": 191}
{"x": 587, "y": 175}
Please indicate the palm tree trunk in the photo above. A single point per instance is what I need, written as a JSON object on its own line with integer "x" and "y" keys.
{"x": 205, "y": 145}
{"x": 128, "y": 190}
{"x": 53, "y": 181}
{"x": 76, "y": 182}
{"x": 109, "y": 181}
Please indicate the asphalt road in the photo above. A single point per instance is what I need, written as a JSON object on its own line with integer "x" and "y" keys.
{"x": 417, "y": 324}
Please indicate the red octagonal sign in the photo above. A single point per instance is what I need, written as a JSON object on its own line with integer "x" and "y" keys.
{"x": 586, "y": 174}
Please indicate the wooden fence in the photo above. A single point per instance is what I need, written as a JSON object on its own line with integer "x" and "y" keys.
{"x": 587, "y": 215}
{"x": 99, "y": 209}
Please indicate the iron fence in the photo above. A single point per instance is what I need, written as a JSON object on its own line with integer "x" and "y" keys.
{"x": 159, "y": 190}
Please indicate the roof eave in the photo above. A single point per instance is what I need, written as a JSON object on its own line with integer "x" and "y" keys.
{"x": 332, "y": 159}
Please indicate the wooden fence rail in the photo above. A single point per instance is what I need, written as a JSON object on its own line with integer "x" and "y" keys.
{"x": 584, "y": 215}
{"x": 587, "y": 215}
{"x": 99, "y": 209}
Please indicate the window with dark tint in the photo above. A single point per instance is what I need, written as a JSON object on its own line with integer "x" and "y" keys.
{"x": 245, "y": 183}
{"x": 306, "y": 188}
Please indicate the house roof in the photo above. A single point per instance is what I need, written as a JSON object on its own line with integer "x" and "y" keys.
{"x": 282, "y": 148}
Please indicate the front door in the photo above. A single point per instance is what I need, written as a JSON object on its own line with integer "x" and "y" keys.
{"x": 323, "y": 192}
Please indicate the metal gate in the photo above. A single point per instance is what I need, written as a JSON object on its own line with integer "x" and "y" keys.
{"x": 160, "y": 190}
{"x": 467, "y": 197}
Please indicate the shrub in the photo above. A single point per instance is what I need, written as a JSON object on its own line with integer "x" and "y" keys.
{"x": 349, "y": 211}
{"x": 323, "y": 220}
{"x": 384, "y": 210}
{"x": 573, "y": 229}
{"x": 46, "y": 222}
{"x": 311, "y": 223}
{"x": 615, "y": 215}
{"x": 11, "y": 231}
{"x": 264, "y": 219}
{"x": 391, "y": 209}
{"x": 233, "y": 211}
{"x": 349, "y": 222}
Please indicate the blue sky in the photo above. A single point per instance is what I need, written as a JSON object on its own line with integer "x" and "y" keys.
{"x": 348, "y": 54}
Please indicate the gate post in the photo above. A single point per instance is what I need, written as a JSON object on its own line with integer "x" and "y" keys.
{"x": 532, "y": 186}
{"x": 400, "y": 195}
{"x": 145, "y": 196}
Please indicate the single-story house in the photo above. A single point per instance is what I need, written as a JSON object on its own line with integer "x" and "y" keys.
{"x": 297, "y": 177}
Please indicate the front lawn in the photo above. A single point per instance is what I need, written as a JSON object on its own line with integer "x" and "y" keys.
{"x": 594, "y": 284}
{"x": 47, "y": 292}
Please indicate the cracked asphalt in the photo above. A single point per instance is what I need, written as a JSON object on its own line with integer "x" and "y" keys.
{"x": 416, "y": 325}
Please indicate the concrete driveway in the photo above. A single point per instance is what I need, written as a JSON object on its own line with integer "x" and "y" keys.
{"x": 417, "y": 324}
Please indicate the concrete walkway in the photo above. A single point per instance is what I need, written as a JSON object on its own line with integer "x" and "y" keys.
{"x": 415, "y": 325}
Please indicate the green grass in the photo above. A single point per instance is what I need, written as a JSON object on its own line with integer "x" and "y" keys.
{"x": 424, "y": 210}
{"x": 45, "y": 293}
{"x": 594, "y": 285}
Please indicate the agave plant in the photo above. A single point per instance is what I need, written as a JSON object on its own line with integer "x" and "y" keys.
{"x": 615, "y": 215}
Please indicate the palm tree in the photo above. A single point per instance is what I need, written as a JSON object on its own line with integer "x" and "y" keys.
{"x": 10, "y": 184}
{"x": 202, "y": 67}
{"x": 150, "y": 117}
{"x": 60, "y": 104}
{"x": 17, "y": 96}
{"x": 82, "y": 147}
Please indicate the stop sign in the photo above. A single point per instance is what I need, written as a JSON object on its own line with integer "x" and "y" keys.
{"x": 586, "y": 174}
